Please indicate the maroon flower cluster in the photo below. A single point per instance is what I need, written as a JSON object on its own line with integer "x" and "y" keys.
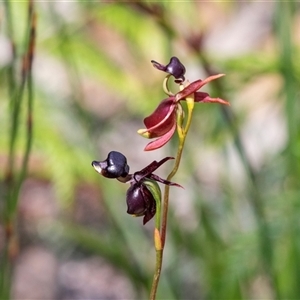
{"x": 161, "y": 124}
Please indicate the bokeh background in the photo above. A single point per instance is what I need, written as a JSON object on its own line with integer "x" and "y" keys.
{"x": 234, "y": 231}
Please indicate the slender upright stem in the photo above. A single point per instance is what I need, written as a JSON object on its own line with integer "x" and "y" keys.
{"x": 190, "y": 105}
{"x": 159, "y": 251}
{"x": 156, "y": 276}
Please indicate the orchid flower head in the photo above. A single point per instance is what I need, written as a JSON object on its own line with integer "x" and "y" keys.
{"x": 161, "y": 124}
{"x": 140, "y": 201}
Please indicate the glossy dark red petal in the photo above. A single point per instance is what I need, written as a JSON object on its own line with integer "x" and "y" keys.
{"x": 162, "y": 119}
{"x": 162, "y": 140}
{"x": 150, "y": 168}
{"x": 195, "y": 86}
{"x": 199, "y": 96}
{"x": 205, "y": 98}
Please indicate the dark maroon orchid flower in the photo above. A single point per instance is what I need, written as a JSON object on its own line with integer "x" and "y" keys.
{"x": 140, "y": 201}
{"x": 161, "y": 124}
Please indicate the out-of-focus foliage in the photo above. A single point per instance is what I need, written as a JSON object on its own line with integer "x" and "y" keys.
{"x": 234, "y": 230}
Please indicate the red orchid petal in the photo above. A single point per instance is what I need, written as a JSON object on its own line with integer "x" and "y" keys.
{"x": 157, "y": 178}
{"x": 162, "y": 111}
{"x": 205, "y": 98}
{"x": 195, "y": 86}
{"x": 150, "y": 168}
{"x": 199, "y": 96}
{"x": 162, "y": 140}
{"x": 162, "y": 119}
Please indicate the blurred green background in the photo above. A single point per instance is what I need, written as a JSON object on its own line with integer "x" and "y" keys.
{"x": 234, "y": 231}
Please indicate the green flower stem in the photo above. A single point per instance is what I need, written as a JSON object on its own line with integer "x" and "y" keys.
{"x": 190, "y": 107}
{"x": 162, "y": 236}
{"x": 158, "y": 265}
